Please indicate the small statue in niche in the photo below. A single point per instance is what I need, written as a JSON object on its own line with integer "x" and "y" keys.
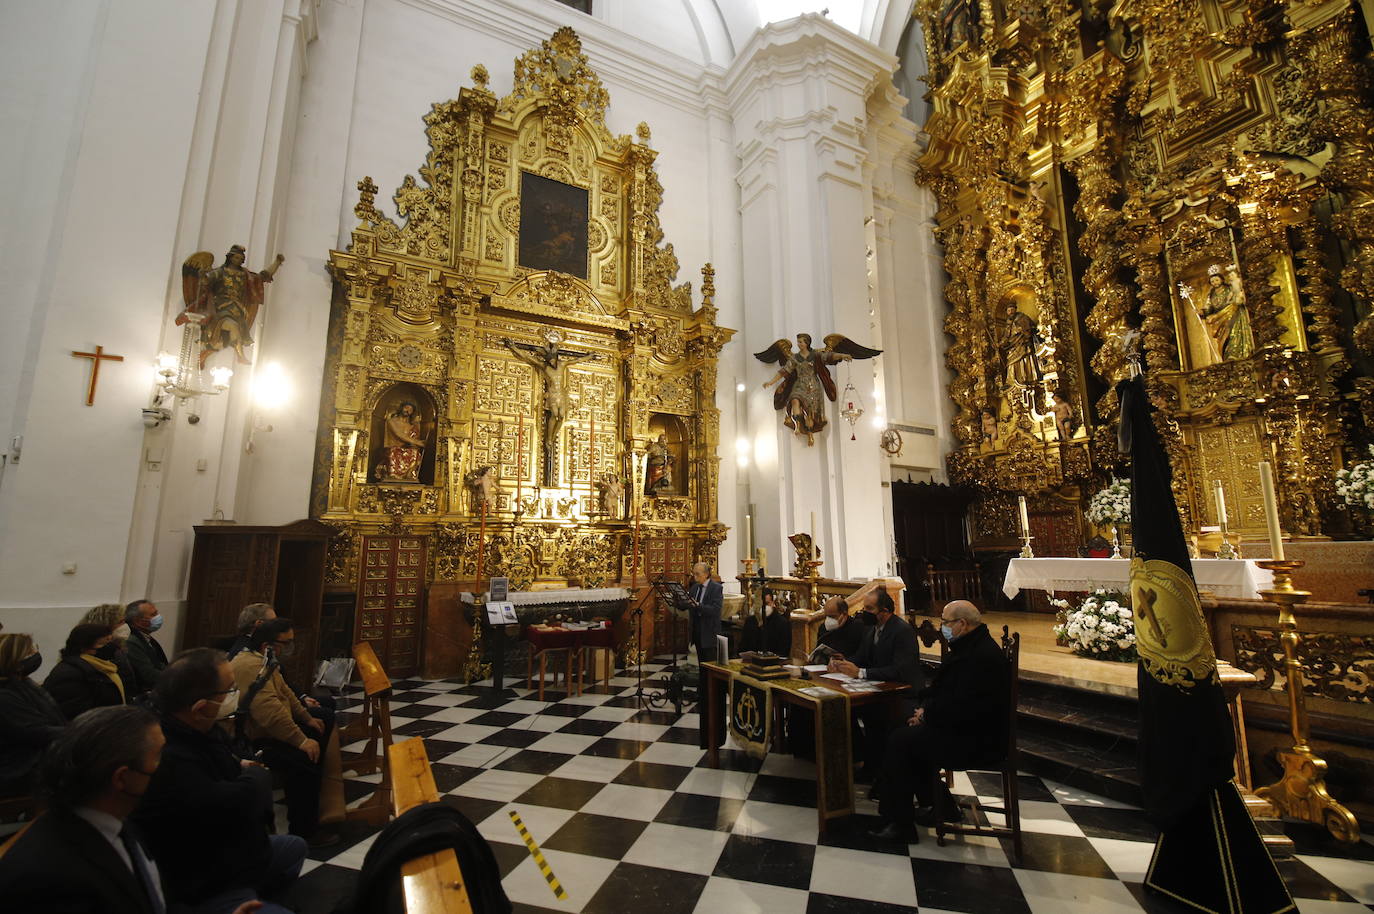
{"x": 1020, "y": 345}
{"x": 806, "y": 381}
{"x": 612, "y": 494}
{"x": 404, "y": 443}
{"x": 658, "y": 478}
{"x": 226, "y": 298}
{"x": 483, "y": 487}
{"x": 1224, "y": 315}
{"x": 989, "y": 429}
{"x": 1062, "y": 411}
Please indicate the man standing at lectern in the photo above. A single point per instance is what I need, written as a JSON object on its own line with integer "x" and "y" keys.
{"x": 708, "y": 598}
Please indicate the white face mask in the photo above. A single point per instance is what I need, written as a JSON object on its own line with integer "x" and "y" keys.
{"x": 768, "y": 610}
{"x": 228, "y": 706}
{"x": 832, "y": 623}
{"x": 122, "y": 632}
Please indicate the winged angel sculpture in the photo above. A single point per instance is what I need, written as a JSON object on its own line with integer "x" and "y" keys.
{"x": 224, "y": 300}
{"x": 806, "y": 380}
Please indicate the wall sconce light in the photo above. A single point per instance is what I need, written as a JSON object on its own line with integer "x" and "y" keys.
{"x": 742, "y": 450}
{"x": 179, "y": 376}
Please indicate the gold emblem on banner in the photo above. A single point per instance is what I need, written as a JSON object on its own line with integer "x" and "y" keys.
{"x": 1169, "y": 630}
{"x": 747, "y": 718}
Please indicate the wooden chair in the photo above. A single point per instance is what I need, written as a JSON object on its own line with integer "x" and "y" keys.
{"x": 1010, "y": 809}
{"x": 373, "y": 725}
{"x": 587, "y": 656}
{"x": 432, "y": 882}
{"x": 569, "y": 662}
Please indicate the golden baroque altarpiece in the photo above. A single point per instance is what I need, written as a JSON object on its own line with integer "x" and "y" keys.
{"x": 1193, "y": 181}
{"x": 536, "y": 394}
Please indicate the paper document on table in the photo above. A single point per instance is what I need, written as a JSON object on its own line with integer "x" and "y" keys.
{"x": 838, "y": 677}
{"x": 857, "y": 685}
{"x": 816, "y": 668}
{"x": 817, "y": 691}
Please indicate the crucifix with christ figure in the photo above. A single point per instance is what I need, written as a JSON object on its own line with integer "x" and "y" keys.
{"x": 548, "y": 362}
{"x": 96, "y": 358}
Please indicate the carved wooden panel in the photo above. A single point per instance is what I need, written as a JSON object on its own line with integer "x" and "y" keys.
{"x": 391, "y": 600}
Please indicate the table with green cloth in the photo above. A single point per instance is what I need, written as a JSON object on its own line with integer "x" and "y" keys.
{"x": 755, "y": 718}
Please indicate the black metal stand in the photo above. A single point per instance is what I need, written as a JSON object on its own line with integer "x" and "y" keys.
{"x": 498, "y": 663}
{"x": 672, "y": 688}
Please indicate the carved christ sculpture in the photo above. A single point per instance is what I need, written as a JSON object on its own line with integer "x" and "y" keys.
{"x": 548, "y": 362}
{"x": 806, "y": 381}
{"x": 404, "y": 441}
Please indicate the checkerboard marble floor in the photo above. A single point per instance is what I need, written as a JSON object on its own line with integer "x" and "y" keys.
{"x": 631, "y": 819}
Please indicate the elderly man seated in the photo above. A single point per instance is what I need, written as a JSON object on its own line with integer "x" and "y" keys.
{"x": 961, "y": 722}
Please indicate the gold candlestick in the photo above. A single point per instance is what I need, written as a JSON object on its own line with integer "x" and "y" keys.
{"x": 1026, "y": 551}
{"x": 1301, "y": 792}
{"x": 812, "y": 575}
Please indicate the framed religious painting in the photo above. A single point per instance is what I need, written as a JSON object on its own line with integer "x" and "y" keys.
{"x": 553, "y": 225}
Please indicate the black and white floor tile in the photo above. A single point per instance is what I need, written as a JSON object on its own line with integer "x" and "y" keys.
{"x": 631, "y": 819}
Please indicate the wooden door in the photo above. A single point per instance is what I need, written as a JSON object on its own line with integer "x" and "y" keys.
{"x": 670, "y": 557}
{"x": 391, "y": 594}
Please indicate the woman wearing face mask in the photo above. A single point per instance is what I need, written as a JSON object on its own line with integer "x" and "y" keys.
{"x": 111, "y": 615}
{"x": 87, "y": 677}
{"x": 29, "y": 718}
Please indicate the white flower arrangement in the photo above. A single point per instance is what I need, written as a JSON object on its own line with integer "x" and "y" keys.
{"x": 1101, "y": 628}
{"x": 1112, "y": 505}
{"x": 1356, "y": 485}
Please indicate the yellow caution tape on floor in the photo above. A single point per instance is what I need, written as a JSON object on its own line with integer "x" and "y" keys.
{"x": 538, "y": 856}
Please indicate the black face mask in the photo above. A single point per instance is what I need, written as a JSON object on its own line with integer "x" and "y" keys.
{"x": 108, "y": 652}
{"x": 867, "y": 617}
{"x": 29, "y": 665}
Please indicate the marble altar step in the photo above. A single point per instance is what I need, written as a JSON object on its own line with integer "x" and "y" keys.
{"x": 1087, "y": 740}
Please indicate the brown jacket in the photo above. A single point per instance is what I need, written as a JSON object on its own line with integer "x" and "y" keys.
{"x": 276, "y": 713}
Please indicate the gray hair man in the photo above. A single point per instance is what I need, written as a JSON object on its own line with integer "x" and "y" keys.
{"x": 962, "y": 722}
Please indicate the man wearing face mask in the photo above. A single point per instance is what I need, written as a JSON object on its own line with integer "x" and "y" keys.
{"x": 146, "y": 656}
{"x": 777, "y": 626}
{"x": 839, "y": 630}
{"x": 961, "y": 722}
{"x": 205, "y": 812}
{"x": 292, "y": 742}
{"x": 82, "y": 854}
{"x": 888, "y": 653}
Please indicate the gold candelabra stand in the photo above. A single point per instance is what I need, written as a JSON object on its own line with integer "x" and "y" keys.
{"x": 813, "y": 576}
{"x": 1301, "y": 792}
{"x": 748, "y": 582}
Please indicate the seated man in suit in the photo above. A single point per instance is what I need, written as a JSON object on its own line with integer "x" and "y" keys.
{"x": 146, "y": 656}
{"x": 888, "y": 653}
{"x": 200, "y": 781}
{"x": 80, "y": 855}
{"x": 840, "y": 631}
{"x": 961, "y": 721}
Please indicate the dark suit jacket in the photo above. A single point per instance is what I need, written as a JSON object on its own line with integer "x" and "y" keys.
{"x": 77, "y": 686}
{"x": 967, "y": 703}
{"x": 147, "y": 658}
{"x": 29, "y": 720}
{"x": 706, "y": 616}
{"x": 892, "y": 656}
{"x": 200, "y": 781}
{"x": 62, "y": 865}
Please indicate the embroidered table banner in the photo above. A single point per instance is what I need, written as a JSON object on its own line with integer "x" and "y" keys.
{"x": 751, "y": 713}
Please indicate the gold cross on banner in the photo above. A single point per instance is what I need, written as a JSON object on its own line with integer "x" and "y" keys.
{"x": 95, "y": 358}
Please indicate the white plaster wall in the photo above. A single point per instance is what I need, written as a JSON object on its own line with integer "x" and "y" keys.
{"x": 113, "y": 102}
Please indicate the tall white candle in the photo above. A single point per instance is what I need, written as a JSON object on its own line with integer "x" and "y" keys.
{"x": 1025, "y": 518}
{"x": 748, "y": 535}
{"x": 1221, "y": 504}
{"x": 813, "y": 534}
{"x": 1271, "y": 510}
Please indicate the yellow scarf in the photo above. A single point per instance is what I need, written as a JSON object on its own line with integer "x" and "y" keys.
{"x": 109, "y": 669}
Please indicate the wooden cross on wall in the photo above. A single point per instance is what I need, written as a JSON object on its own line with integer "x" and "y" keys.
{"x": 95, "y": 358}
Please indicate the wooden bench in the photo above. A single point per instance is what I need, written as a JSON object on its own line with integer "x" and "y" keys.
{"x": 432, "y": 882}
{"x": 373, "y": 725}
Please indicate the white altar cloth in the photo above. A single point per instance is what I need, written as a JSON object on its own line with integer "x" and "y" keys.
{"x": 1234, "y": 578}
{"x": 570, "y": 595}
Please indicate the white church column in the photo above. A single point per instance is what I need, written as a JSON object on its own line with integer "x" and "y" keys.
{"x": 800, "y": 93}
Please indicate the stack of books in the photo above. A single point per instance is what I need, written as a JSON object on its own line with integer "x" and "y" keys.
{"x": 760, "y": 665}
